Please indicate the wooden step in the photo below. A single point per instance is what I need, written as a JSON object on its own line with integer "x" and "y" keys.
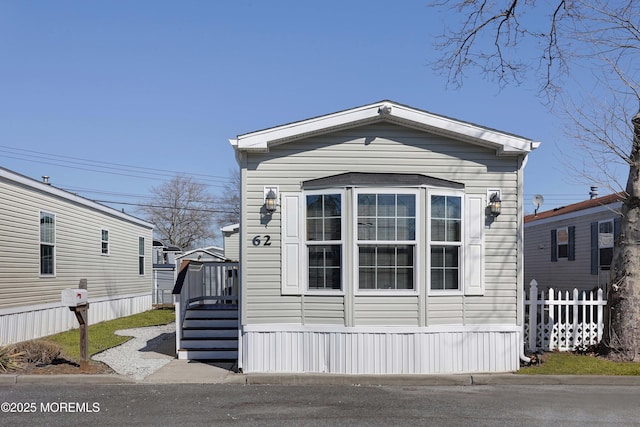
{"x": 210, "y": 323}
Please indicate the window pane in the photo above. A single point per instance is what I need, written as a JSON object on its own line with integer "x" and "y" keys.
{"x": 406, "y": 229}
{"x": 386, "y": 255}
{"x": 437, "y": 279}
{"x": 333, "y": 279}
{"x": 366, "y": 204}
{"x": 316, "y": 256}
{"x": 332, "y": 205}
{"x": 366, "y": 228}
{"x": 324, "y": 267}
{"x": 438, "y": 230}
{"x": 405, "y": 256}
{"x": 47, "y": 228}
{"x": 437, "y": 257}
{"x": 366, "y": 278}
{"x": 314, "y": 206}
{"x": 386, "y": 278}
{"x": 141, "y": 246}
{"x": 385, "y": 267}
{"x": 453, "y": 231}
{"x": 367, "y": 256}
{"x": 454, "y": 207}
{"x": 323, "y": 217}
{"x": 606, "y": 227}
{"x": 332, "y": 229}
{"x": 314, "y": 229}
{"x": 387, "y": 205}
{"x": 316, "y": 280}
{"x": 105, "y": 235}
{"x": 606, "y": 256}
{"x": 451, "y": 256}
{"x": 445, "y": 261}
{"x": 563, "y": 235}
{"x": 450, "y": 279}
{"x": 386, "y": 229}
{"x": 405, "y": 278}
{"x": 437, "y": 207}
{"x": 406, "y": 205}
{"x": 563, "y": 251}
{"x": 46, "y": 259}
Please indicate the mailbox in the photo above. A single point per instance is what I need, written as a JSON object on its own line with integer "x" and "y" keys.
{"x": 74, "y": 297}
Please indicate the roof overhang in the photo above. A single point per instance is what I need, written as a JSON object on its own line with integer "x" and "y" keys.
{"x": 503, "y": 143}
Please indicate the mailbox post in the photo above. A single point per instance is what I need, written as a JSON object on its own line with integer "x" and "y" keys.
{"x": 77, "y": 300}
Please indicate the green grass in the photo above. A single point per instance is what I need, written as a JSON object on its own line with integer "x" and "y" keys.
{"x": 574, "y": 364}
{"x": 102, "y": 336}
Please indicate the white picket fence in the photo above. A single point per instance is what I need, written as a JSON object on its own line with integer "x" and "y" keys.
{"x": 563, "y": 321}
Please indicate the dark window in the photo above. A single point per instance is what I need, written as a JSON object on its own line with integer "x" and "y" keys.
{"x": 141, "y": 256}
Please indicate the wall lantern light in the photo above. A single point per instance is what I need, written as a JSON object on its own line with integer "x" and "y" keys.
{"x": 495, "y": 203}
{"x": 270, "y": 199}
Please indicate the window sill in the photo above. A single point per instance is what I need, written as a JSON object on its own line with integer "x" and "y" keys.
{"x": 313, "y": 292}
{"x": 386, "y": 293}
{"x": 445, "y": 293}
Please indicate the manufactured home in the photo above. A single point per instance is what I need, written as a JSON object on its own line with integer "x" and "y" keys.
{"x": 381, "y": 239}
{"x": 571, "y": 247}
{"x": 50, "y": 240}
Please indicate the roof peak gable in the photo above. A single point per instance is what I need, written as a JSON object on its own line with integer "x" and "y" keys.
{"x": 386, "y": 111}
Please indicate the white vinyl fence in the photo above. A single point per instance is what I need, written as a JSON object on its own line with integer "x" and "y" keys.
{"x": 562, "y": 320}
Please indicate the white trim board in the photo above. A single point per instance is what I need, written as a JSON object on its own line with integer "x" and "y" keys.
{"x": 386, "y": 111}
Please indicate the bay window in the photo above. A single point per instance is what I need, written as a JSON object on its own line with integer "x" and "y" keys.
{"x": 353, "y": 227}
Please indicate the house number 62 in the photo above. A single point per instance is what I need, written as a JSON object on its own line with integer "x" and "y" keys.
{"x": 257, "y": 240}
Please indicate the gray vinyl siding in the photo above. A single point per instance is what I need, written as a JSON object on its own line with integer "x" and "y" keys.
{"x": 231, "y": 245}
{"x": 563, "y": 274}
{"x": 77, "y": 249}
{"x": 391, "y": 149}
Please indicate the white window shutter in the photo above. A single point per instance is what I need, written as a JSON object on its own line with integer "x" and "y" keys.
{"x": 292, "y": 256}
{"x": 474, "y": 245}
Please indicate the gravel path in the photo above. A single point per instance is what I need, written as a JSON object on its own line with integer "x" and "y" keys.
{"x": 136, "y": 358}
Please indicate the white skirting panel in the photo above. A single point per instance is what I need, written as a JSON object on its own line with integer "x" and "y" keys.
{"x": 279, "y": 348}
{"x": 36, "y": 322}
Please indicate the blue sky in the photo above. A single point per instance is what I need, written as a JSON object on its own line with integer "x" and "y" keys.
{"x": 110, "y": 98}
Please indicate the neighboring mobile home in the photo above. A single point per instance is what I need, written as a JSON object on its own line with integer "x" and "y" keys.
{"x": 368, "y": 244}
{"x": 50, "y": 239}
{"x": 231, "y": 241}
{"x": 572, "y": 246}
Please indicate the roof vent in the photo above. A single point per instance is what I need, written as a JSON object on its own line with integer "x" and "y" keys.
{"x": 45, "y": 179}
{"x": 384, "y": 109}
{"x": 594, "y": 192}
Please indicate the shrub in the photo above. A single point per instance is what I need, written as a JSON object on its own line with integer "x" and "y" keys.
{"x": 9, "y": 358}
{"x": 38, "y": 352}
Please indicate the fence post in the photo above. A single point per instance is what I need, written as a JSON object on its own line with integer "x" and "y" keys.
{"x": 574, "y": 321}
{"x": 553, "y": 335}
{"x": 533, "y": 315}
{"x": 600, "y": 314}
